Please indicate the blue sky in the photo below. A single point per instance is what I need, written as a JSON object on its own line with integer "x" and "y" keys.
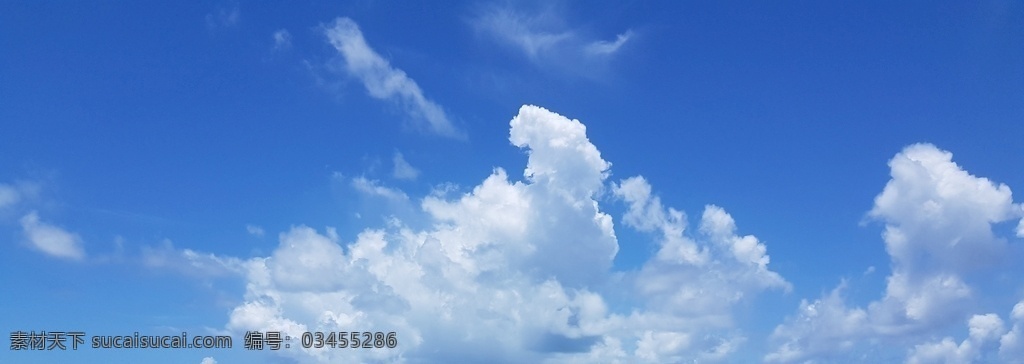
{"x": 524, "y": 181}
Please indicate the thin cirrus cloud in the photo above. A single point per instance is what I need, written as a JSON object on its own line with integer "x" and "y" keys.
{"x": 282, "y": 39}
{"x": 254, "y": 230}
{"x": 385, "y": 82}
{"x": 374, "y": 188}
{"x": 9, "y": 196}
{"x": 544, "y": 38}
{"x": 602, "y": 47}
{"x": 224, "y": 17}
{"x": 402, "y": 168}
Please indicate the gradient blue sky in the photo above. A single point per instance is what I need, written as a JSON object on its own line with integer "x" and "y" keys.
{"x": 157, "y": 159}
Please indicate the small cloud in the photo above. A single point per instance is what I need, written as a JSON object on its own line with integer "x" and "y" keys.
{"x": 208, "y": 360}
{"x": 282, "y": 39}
{"x": 373, "y": 188}
{"x": 403, "y": 170}
{"x": 385, "y": 82}
{"x": 52, "y": 239}
{"x": 1020, "y": 228}
{"x": 546, "y": 40}
{"x": 871, "y": 269}
{"x": 223, "y": 18}
{"x": 8, "y": 196}
{"x": 532, "y": 34}
{"x": 12, "y": 194}
{"x": 254, "y": 230}
{"x": 190, "y": 262}
{"x": 602, "y": 47}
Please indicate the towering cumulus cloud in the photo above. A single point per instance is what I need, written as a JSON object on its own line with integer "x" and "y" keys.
{"x": 938, "y": 231}
{"x": 517, "y": 271}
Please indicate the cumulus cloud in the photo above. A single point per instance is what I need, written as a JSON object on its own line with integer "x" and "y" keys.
{"x": 208, "y": 360}
{"x": 988, "y": 340}
{"x": 702, "y": 275}
{"x": 1011, "y": 344}
{"x": 1020, "y": 229}
{"x": 385, "y": 82}
{"x": 51, "y": 239}
{"x": 931, "y": 204}
{"x": 514, "y": 271}
{"x": 402, "y": 168}
{"x": 938, "y": 229}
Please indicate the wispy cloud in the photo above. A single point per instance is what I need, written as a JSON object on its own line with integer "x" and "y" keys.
{"x": 254, "y": 230}
{"x": 373, "y": 188}
{"x": 190, "y": 262}
{"x": 545, "y": 39}
{"x": 385, "y": 82}
{"x": 8, "y": 196}
{"x": 602, "y": 47}
{"x": 282, "y": 39}
{"x": 51, "y": 239}
{"x": 224, "y": 17}
{"x": 534, "y": 35}
{"x": 17, "y": 193}
{"x": 402, "y": 168}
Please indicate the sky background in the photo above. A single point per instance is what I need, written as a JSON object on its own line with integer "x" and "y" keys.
{"x": 697, "y": 182}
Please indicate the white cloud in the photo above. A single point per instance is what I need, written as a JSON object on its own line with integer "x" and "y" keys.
{"x": 545, "y": 39}
{"x": 224, "y": 17}
{"x": 385, "y": 82}
{"x": 1020, "y": 229}
{"x": 603, "y": 47}
{"x": 373, "y": 188}
{"x": 254, "y": 230}
{"x": 9, "y": 196}
{"x": 824, "y": 326}
{"x": 986, "y": 334}
{"x": 511, "y": 271}
{"x": 695, "y": 276}
{"x": 190, "y": 262}
{"x": 647, "y": 214}
{"x": 1011, "y": 344}
{"x": 208, "y": 360}
{"x": 20, "y": 192}
{"x": 51, "y": 239}
{"x": 945, "y": 351}
{"x": 938, "y": 229}
{"x": 932, "y": 204}
{"x": 525, "y": 32}
{"x": 403, "y": 170}
{"x": 282, "y": 39}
